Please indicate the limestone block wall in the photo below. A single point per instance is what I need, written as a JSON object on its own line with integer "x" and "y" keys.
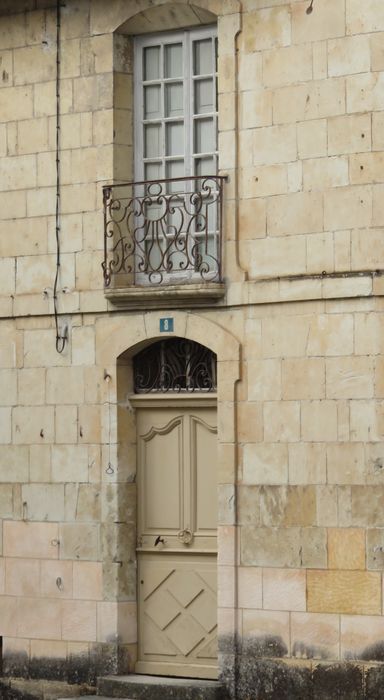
{"x": 301, "y": 531}
{"x": 309, "y": 144}
{"x": 310, "y": 519}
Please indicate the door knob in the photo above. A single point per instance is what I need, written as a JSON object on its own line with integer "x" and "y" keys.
{"x": 159, "y": 539}
{"x": 185, "y": 536}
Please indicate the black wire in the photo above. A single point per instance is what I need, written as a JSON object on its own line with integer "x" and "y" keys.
{"x": 60, "y": 339}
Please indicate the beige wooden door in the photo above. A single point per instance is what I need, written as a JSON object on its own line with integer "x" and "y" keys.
{"x": 177, "y": 519}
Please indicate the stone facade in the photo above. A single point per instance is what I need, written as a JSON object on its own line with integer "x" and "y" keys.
{"x": 299, "y": 338}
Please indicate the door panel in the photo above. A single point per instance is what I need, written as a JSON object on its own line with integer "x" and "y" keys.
{"x": 162, "y": 463}
{"x": 177, "y": 517}
{"x": 178, "y": 620}
{"x": 204, "y": 455}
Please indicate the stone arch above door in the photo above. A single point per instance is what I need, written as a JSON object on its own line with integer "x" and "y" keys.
{"x": 122, "y": 334}
{"x": 119, "y": 337}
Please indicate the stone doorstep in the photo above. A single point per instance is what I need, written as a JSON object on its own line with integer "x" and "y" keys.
{"x": 140, "y": 687}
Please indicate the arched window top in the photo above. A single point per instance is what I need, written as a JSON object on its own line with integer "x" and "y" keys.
{"x": 167, "y": 16}
{"x": 174, "y": 365}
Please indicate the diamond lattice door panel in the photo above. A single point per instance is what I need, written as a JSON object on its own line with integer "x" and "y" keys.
{"x": 177, "y": 599}
{"x": 177, "y": 521}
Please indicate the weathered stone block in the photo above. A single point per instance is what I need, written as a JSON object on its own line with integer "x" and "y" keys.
{"x": 79, "y": 620}
{"x": 33, "y": 427}
{"x": 79, "y": 541}
{"x": 43, "y": 501}
{"x": 281, "y": 421}
{"x": 348, "y": 55}
{"x": 326, "y": 592}
{"x": 307, "y": 463}
{"x": 315, "y": 636}
{"x": 32, "y": 540}
{"x": 346, "y": 548}
{"x": 284, "y": 589}
{"x": 69, "y": 463}
{"x": 265, "y": 463}
{"x": 286, "y": 506}
{"x": 267, "y": 29}
{"x": 330, "y": 22}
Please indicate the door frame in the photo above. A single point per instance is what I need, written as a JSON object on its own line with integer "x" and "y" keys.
{"x": 116, "y": 343}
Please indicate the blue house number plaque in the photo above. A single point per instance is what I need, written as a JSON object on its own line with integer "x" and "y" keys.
{"x": 166, "y": 325}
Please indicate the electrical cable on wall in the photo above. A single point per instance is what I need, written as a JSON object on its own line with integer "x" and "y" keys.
{"x": 61, "y": 335}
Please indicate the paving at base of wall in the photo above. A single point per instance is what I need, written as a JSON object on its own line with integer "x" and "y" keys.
{"x": 28, "y": 689}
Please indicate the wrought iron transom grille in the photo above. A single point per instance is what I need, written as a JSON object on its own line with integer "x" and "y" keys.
{"x": 174, "y": 365}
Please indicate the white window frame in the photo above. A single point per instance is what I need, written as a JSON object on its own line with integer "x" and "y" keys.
{"x": 186, "y": 37}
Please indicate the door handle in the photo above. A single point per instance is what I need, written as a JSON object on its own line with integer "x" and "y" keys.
{"x": 185, "y": 536}
{"x": 159, "y": 539}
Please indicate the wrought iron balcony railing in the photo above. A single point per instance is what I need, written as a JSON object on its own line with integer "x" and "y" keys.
{"x": 163, "y": 232}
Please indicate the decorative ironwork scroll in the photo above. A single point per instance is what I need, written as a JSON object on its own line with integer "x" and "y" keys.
{"x": 175, "y": 365}
{"x": 163, "y": 231}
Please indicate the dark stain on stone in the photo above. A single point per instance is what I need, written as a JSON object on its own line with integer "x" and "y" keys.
{"x": 373, "y": 652}
{"x": 273, "y": 680}
{"x": 252, "y": 678}
{"x": 338, "y": 681}
{"x": 374, "y": 683}
{"x": 102, "y": 659}
{"x": 265, "y": 646}
{"x": 227, "y": 672}
{"x": 301, "y": 650}
{"x": 227, "y": 644}
{"x": 51, "y": 669}
{"x": 16, "y": 664}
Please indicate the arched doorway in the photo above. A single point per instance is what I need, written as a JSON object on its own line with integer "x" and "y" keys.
{"x": 176, "y": 428}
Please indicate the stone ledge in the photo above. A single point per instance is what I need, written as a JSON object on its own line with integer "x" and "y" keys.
{"x": 200, "y": 294}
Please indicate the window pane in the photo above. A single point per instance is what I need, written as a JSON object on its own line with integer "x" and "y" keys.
{"x": 153, "y": 212}
{"x": 205, "y": 166}
{"x": 152, "y": 97}
{"x": 174, "y": 61}
{"x": 204, "y": 96}
{"x": 152, "y": 138}
{"x": 211, "y": 210}
{"x": 175, "y": 168}
{"x": 175, "y": 139}
{"x": 152, "y": 63}
{"x": 153, "y": 252}
{"x": 177, "y": 259}
{"x": 207, "y": 248}
{"x": 216, "y": 54}
{"x": 203, "y": 55}
{"x": 152, "y": 171}
{"x": 205, "y": 138}
{"x": 174, "y": 100}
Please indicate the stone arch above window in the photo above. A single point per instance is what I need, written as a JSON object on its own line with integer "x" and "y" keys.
{"x": 106, "y": 18}
{"x": 167, "y": 17}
